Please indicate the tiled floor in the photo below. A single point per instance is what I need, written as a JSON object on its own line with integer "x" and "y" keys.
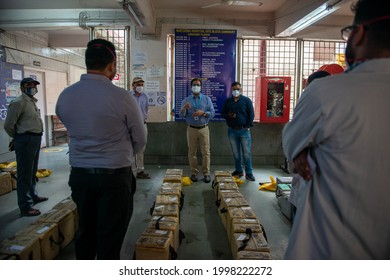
{"x": 205, "y": 236}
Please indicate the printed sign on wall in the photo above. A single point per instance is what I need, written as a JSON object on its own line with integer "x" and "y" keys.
{"x": 209, "y": 54}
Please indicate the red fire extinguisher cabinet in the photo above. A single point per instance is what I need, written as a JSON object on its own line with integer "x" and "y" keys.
{"x": 272, "y": 101}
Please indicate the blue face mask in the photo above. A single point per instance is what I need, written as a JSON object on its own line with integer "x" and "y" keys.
{"x": 31, "y": 91}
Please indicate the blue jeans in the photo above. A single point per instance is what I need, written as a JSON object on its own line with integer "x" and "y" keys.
{"x": 27, "y": 155}
{"x": 240, "y": 141}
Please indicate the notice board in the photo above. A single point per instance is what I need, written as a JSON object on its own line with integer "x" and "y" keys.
{"x": 208, "y": 54}
{"x": 10, "y": 77}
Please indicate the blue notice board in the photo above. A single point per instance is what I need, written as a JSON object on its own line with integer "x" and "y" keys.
{"x": 10, "y": 77}
{"x": 209, "y": 54}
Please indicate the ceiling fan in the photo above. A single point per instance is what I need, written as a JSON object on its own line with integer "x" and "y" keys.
{"x": 234, "y": 3}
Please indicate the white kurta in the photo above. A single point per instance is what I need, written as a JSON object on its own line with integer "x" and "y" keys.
{"x": 345, "y": 119}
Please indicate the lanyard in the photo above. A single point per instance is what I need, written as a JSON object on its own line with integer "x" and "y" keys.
{"x": 197, "y": 104}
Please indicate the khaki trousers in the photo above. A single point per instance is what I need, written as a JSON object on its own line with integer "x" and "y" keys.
{"x": 138, "y": 159}
{"x": 199, "y": 137}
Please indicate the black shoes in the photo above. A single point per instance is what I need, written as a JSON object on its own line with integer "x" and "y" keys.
{"x": 237, "y": 174}
{"x": 194, "y": 178}
{"x": 142, "y": 175}
{"x": 206, "y": 178}
{"x": 250, "y": 177}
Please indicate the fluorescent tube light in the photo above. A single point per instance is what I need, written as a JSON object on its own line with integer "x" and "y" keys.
{"x": 314, "y": 16}
{"x": 131, "y": 13}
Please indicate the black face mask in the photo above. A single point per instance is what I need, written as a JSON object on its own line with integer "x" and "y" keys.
{"x": 350, "y": 55}
{"x": 31, "y": 91}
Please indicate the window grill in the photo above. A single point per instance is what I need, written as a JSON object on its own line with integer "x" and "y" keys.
{"x": 119, "y": 37}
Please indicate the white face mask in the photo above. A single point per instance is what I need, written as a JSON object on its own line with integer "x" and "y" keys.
{"x": 139, "y": 89}
{"x": 195, "y": 89}
{"x": 236, "y": 93}
{"x": 31, "y": 91}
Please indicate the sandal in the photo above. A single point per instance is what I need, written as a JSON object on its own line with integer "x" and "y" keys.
{"x": 31, "y": 212}
{"x": 40, "y": 199}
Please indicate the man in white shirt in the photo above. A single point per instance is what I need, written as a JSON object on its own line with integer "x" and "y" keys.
{"x": 142, "y": 100}
{"x": 342, "y": 121}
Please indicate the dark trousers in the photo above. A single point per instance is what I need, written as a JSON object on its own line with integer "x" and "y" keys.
{"x": 27, "y": 155}
{"x": 105, "y": 205}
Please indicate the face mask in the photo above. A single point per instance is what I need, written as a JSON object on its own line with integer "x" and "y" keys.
{"x": 349, "y": 55}
{"x": 31, "y": 91}
{"x": 236, "y": 93}
{"x": 195, "y": 89}
{"x": 139, "y": 89}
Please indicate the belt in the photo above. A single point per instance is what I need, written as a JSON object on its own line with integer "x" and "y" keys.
{"x": 82, "y": 170}
{"x": 31, "y": 133}
{"x": 237, "y": 127}
{"x": 198, "y": 127}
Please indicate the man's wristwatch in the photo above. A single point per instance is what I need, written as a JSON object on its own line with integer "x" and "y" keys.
{"x": 204, "y": 115}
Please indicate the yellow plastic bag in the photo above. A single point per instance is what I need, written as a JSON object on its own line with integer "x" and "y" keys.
{"x": 7, "y": 165}
{"x": 238, "y": 181}
{"x": 43, "y": 173}
{"x": 186, "y": 181}
{"x": 269, "y": 186}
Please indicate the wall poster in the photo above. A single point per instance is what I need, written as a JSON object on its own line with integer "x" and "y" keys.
{"x": 10, "y": 77}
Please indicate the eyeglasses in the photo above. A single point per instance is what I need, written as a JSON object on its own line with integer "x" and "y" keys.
{"x": 346, "y": 31}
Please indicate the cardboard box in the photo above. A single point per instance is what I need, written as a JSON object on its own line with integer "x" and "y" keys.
{"x": 152, "y": 248}
{"x": 167, "y": 199}
{"x": 166, "y": 210}
{"x": 225, "y": 186}
{"x": 253, "y": 255}
{"x": 245, "y": 212}
{"x": 64, "y": 218}
{"x": 226, "y": 193}
{"x": 13, "y": 178}
{"x": 218, "y": 173}
{"x": 21, "y": 248}
{"x": 172, "y": 179}
{"x": 242, "y": 228}
{"x": 174, "y": 172}
{"x": 230, "y": 200}
{"x": 167, "y": 223}
{"x": 170, "y": 188}
{"x": 219, "y": 180}
{"x": 69, "y": 204}
{"x": 48, "y": 236}
{"x": 5, "y": 183}
{"x": 162, "y": 233}
{"x": 246, "y": 242}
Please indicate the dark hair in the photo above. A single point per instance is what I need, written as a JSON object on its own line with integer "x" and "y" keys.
{"x": 236, "y": 83}
{"x": 378, "y": 31}
{"x": 196, "y": 79}
{"x": 99, "y": 53}
{"x": 317, "y": 75}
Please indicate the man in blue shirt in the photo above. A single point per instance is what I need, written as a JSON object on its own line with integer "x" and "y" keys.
{"x": 198, "y": 109}
{"x": 142, "y": 100}
{"x": 239, "y": 114}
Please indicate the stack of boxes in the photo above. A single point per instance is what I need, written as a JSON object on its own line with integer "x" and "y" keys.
{"x": 245, "y": 233}
{"x": 282, "y": 193}
{"x": 44, "y": 238}
{"x": 10, "y": 168}
{"x": 161, "y": 239}
{"x": 5, "y": 183}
